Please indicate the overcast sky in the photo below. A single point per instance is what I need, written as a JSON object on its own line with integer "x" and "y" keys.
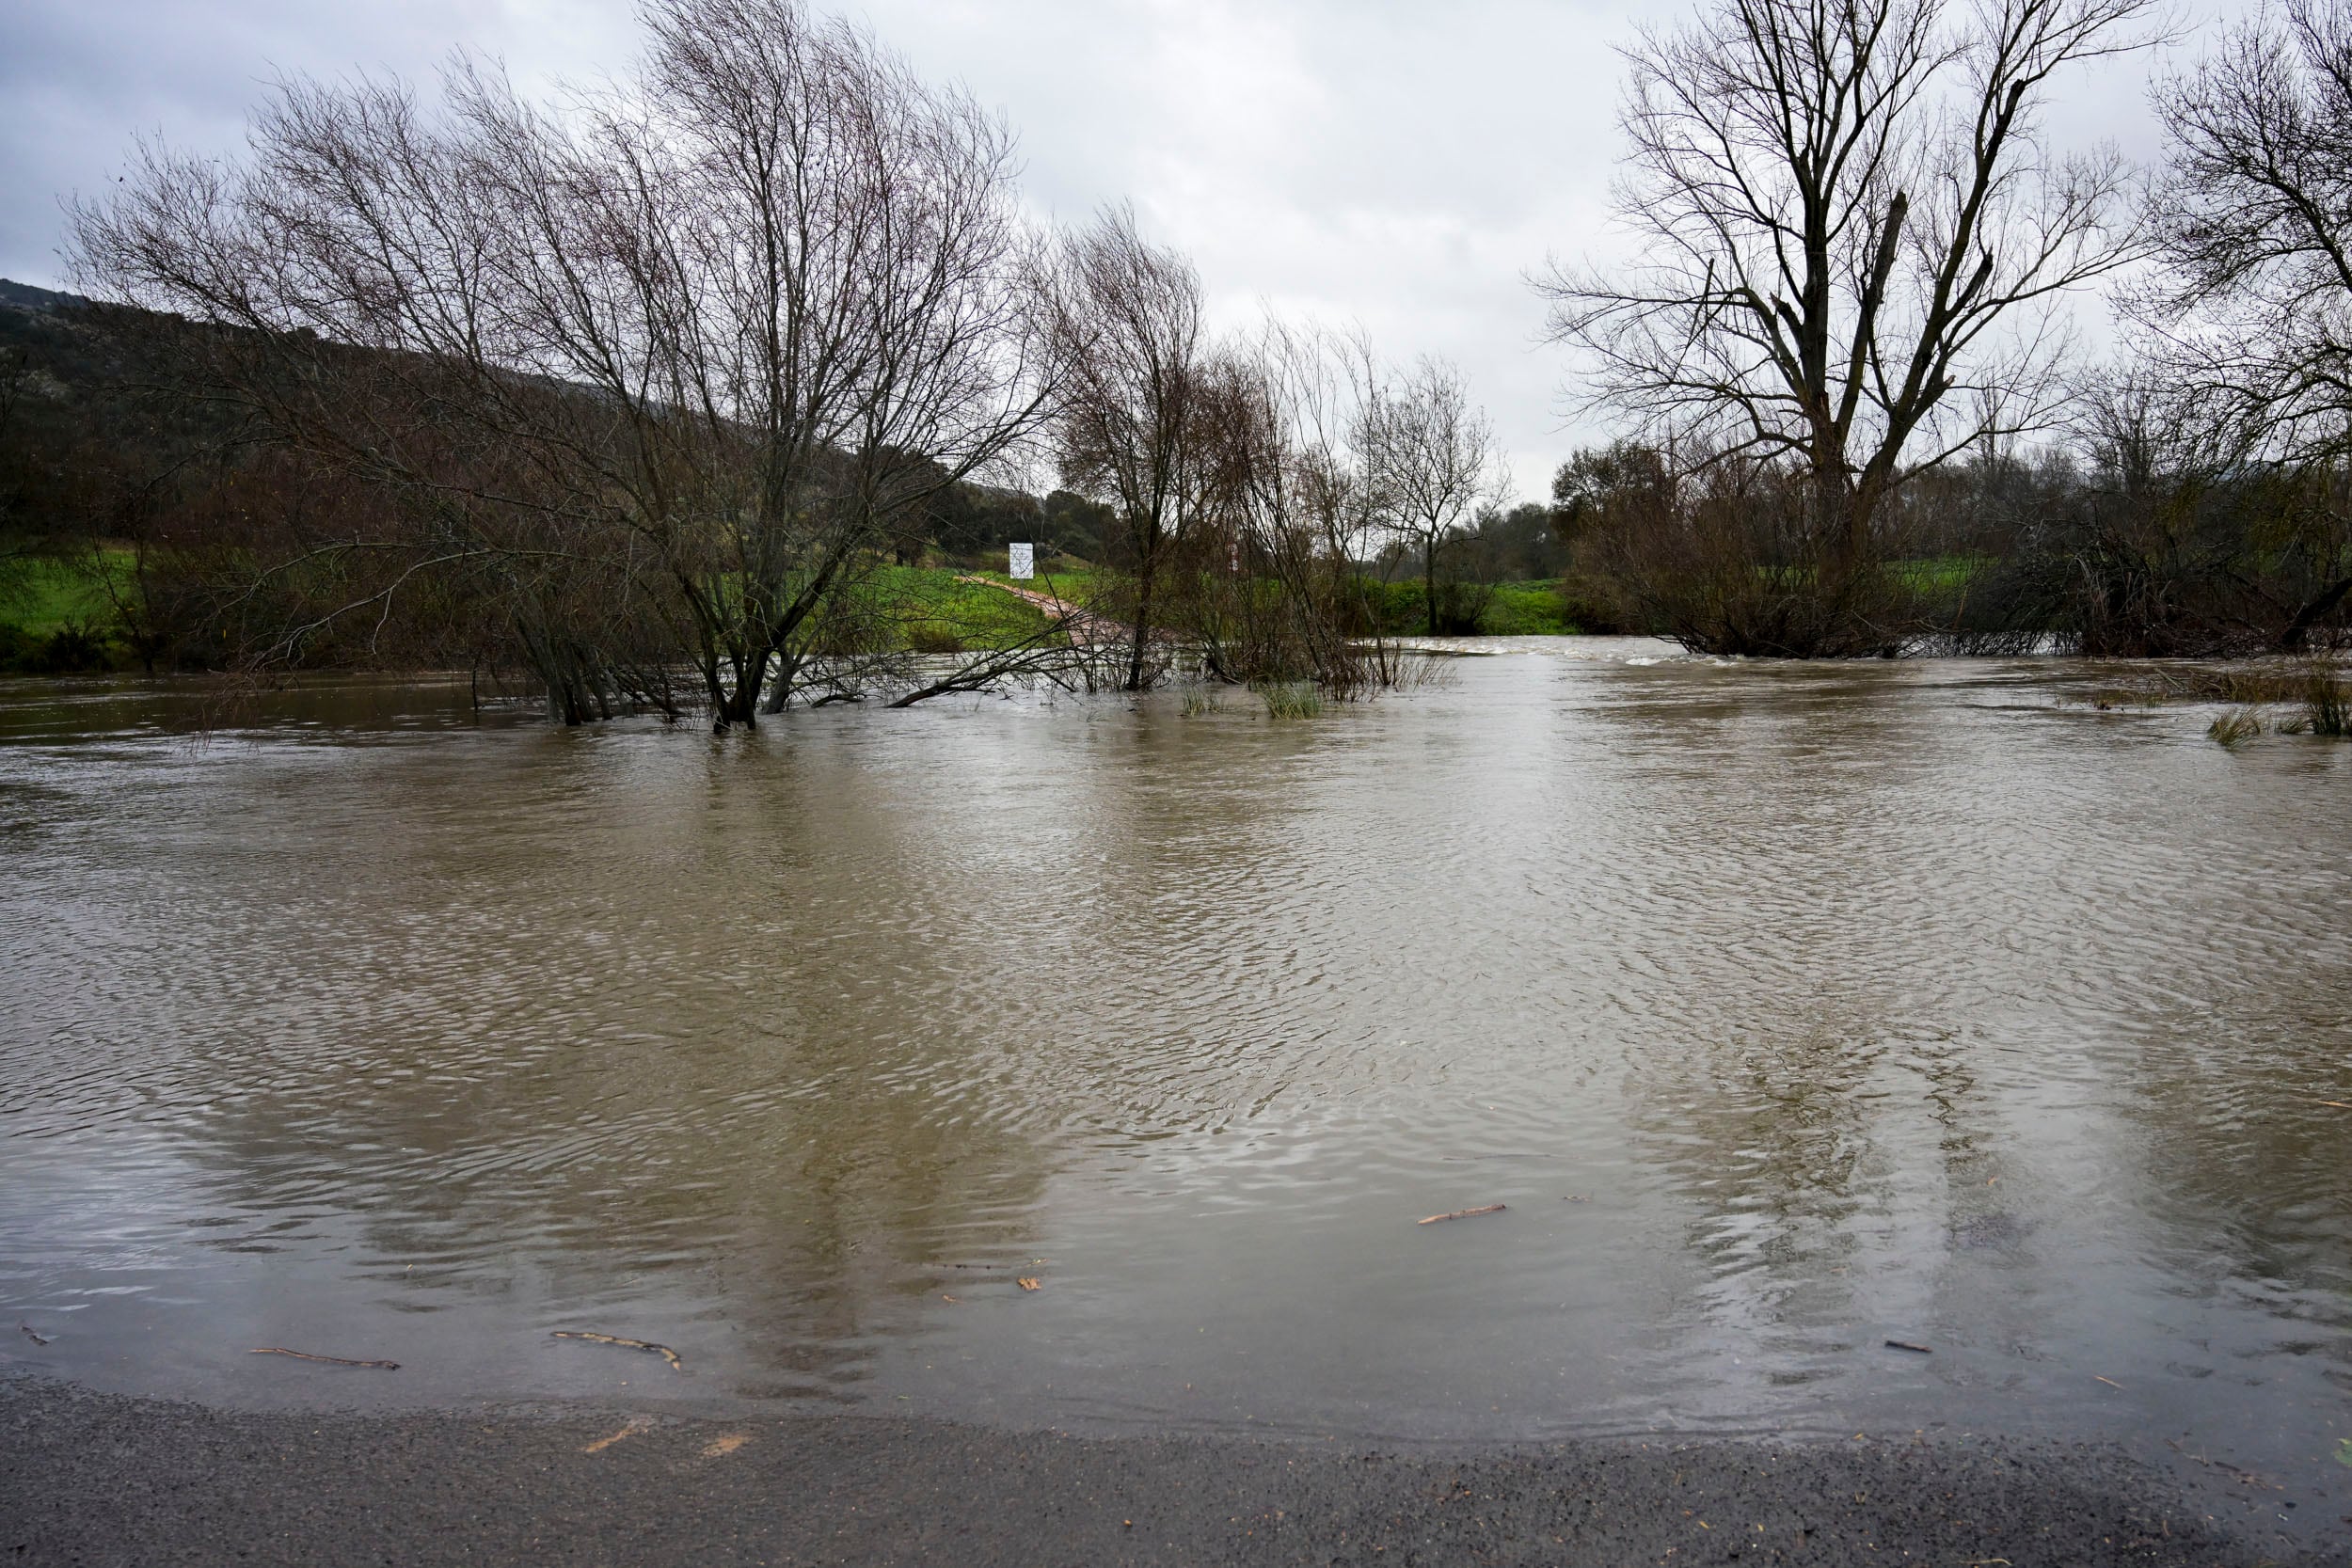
{"x": 1401, "y": 164}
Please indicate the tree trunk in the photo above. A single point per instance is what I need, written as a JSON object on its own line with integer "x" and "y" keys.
{"x": 2291, "y": 640}
{"x": 1143, "y": 619}
{"x": 1429, "y": 581}
{"x": 741, "y": 705}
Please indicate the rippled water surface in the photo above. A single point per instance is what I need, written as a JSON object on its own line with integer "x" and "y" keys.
{"x": 1789, "y": 1010}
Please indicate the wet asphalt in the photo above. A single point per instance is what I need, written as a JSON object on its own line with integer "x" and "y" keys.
{"x": 97, "y": 1478}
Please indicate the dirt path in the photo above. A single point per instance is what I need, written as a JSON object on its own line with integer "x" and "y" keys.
{"x": 1087, "y": 628}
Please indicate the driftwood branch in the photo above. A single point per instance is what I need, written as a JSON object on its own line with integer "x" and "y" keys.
{"x": 330, "y": 1360}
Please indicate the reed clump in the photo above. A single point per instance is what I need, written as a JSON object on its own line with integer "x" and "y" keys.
{"x": 2312, "y": 696}
{"x": 2236, "y": 726}
{"x": 1291, "y": 700}
{"x": 2327, "y": 702}
{"x": 2249, "y": 686}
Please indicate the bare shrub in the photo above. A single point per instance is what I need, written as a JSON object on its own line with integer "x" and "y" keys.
{"x": 1275, "y": 592}
{"x": 1721, "y": 557}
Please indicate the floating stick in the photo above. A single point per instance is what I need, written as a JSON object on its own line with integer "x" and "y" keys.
{"x": 662, "y": 1350}
{"x": 330, "y": 1360}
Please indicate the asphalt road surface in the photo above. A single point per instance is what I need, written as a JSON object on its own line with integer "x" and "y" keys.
{"x": 91, "y": 1478}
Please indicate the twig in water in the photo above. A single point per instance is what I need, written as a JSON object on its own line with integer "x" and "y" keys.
{"x": 1905, "y": 1344}
{"x": 1463, "y": 1213}
{"x": 662, "y": 1350}
{"x": 26, "y": 1329}
{"x": 330, "y": 1360}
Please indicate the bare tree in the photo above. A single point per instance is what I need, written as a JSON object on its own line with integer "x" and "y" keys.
{"x": 2253, "y": 223}
{"x": 1847, "y": 212}
{"x": 2252, "y": 306}
{"x": 1130, "y": 432}
{"x": 707, "y": 334}
{"x": 1431, "y": 461}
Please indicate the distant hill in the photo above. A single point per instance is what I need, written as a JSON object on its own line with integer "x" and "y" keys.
{"x": 91, "y": 449}
{"x": 82, "y": 450}
{"x": 24, "y": 297}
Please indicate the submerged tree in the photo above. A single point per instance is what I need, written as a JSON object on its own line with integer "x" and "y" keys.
{"x": 1132, "y": 427}
{"x": 1847, "y": 216}
{"x": 683, "y": 351}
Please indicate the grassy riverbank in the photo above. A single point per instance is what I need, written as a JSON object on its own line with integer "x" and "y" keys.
{"x": 58, "y": 616}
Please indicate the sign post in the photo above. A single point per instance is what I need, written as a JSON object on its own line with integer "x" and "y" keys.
{"x": 1023, "y": 564}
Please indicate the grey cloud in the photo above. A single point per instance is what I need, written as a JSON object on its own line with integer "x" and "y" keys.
{"x": 1398, "y": 165}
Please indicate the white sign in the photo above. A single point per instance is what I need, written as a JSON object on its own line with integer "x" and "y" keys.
{"x": 1024, "y": 561}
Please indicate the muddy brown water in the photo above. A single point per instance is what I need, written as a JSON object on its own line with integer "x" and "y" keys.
{"x": 1789, "y": 1010}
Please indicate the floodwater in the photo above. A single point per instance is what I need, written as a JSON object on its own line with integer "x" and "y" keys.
{"x": 1789, "y": 1010}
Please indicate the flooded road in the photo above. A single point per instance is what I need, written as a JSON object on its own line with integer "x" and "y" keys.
{"x": 1789, "y": 1010}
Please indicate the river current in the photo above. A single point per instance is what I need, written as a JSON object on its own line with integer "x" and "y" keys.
{"x": 1787, "y": 1010}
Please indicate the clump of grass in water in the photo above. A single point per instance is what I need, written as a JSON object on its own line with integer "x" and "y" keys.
{"x": 2233, "y": 728}
{"x": 1199, "y": 703}
{"x": 2327, "y": 704}
{"x": 2248, "y": 685}
{"x": 1291, "y": 700}
{"x": 2317, "y": 688}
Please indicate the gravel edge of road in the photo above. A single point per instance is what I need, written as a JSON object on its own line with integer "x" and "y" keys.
{"x": 88, "y": 1477}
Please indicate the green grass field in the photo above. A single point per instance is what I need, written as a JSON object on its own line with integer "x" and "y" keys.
{"x": 941, "y": 614}
{"x": 1514, "y": 610}
{"x": 1527, "y": 609}
{"x": 1940, "y": 573}
{"x": 40, "y": 596}
{"x": 57, "y": 614}
{"x": 1518, "y": 608}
